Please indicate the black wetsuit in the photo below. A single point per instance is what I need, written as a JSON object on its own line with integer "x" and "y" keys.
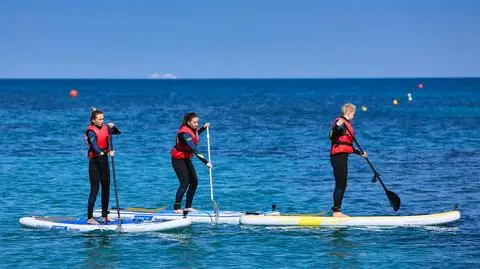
{"x": 186, "y": 171}
{"x": 99, "y": 173}
{"x": 339, "y": 164}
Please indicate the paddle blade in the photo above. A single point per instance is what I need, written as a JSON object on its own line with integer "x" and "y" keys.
{"x": 394, "y": 200}
{"x": 216, "y": 210}
{"x": 145, "y": 210}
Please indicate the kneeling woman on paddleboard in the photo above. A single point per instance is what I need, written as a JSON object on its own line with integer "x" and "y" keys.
{"x": 342, "y": 135}
{"x": 182, "y": 153}
{"x": 97, "y": 136}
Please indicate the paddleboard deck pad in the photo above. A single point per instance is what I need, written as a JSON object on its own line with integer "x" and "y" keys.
{"x": 317, "y": 221}
{"x": 81, "y": 225}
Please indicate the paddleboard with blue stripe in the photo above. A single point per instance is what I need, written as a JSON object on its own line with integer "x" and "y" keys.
{"x": 81, "y": 225}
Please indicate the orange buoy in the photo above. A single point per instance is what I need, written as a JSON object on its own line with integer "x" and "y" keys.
{"x": 73, "y": 93}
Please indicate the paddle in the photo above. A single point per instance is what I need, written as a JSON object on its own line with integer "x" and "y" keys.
{"x": 214, "y": 204}
{"x": 115, "y": 181}
{"x": 392, "y": 197}
{"x": 146, "y": 210}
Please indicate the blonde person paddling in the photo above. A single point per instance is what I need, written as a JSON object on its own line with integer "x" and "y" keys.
{"x": 341, "y": 136}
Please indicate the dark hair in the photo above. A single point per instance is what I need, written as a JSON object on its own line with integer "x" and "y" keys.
{"x": 94, "y": 114}
{"x": 188, "y": 117}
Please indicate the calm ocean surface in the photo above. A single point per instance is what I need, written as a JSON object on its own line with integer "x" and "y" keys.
{"x": 269, "y": 145}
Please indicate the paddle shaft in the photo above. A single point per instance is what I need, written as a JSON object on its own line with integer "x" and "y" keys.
{"x": 392, "y": 197}
{"x": 377, "y": 175}
{"x": 114, "y": 178}
{"x": 215, "y": 206}
{"x": 210, "y": 169}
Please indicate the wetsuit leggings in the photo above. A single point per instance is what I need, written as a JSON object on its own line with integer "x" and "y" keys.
{"x": 99, "y": 172}
{"x": 340, "y": 172}
{"x": 188, "y": 180}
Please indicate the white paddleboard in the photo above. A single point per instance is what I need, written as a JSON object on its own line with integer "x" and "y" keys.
{"x": 81, "y": 225}
{"x": 318, "y": 221}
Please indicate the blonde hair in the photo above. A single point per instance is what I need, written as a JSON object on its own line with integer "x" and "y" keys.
{"x": 348, "y": 107}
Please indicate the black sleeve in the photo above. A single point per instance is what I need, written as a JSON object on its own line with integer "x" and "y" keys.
{"x": 201, "y": 130}
{"x": 114, "y": 130}
{"x": 338, "y": 130}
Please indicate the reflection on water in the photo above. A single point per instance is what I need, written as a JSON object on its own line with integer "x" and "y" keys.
{"x": 99, "y": 251}
{"x": 343, "y": 250}
{"x": 109, "y": 249}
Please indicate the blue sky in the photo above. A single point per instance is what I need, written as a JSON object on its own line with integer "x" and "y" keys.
{"x": 239, "y": 39}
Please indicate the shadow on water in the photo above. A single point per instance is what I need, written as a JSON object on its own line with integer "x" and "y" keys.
{"x": 99, "y": 251}
{"x": 343, "y": 251}
{"x": 110, "y": 249}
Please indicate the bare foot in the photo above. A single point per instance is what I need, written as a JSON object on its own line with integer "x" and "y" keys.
{"x": 339, "y": 215}
{"x": 92, "y": 221}
{"x": 190, "y": 209}
{"x": 107, "y": 219}
{"x": 178, "y": 211}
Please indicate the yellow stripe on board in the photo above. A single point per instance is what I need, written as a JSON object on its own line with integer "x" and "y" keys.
{"x": 310, "y": 221}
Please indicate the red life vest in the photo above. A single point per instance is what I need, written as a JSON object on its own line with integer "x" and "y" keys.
{"x": 343, "y": 143}
{"x": 102, "y": 138}
{"x": 181, "y": 151}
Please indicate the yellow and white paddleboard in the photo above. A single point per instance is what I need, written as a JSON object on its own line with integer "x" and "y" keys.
{"x": 317, "y": 221}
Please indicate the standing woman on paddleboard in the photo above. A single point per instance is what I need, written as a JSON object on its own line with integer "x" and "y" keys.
{"x": 342, "y": 146}
{"x": 97, "y": 136}
{"x": 182, "y": 153}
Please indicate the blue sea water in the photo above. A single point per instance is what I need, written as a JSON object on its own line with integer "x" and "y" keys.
{"x": 269, "y": 145}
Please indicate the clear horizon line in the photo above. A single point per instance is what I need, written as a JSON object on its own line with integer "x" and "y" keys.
{"x": 235, "y": 78}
